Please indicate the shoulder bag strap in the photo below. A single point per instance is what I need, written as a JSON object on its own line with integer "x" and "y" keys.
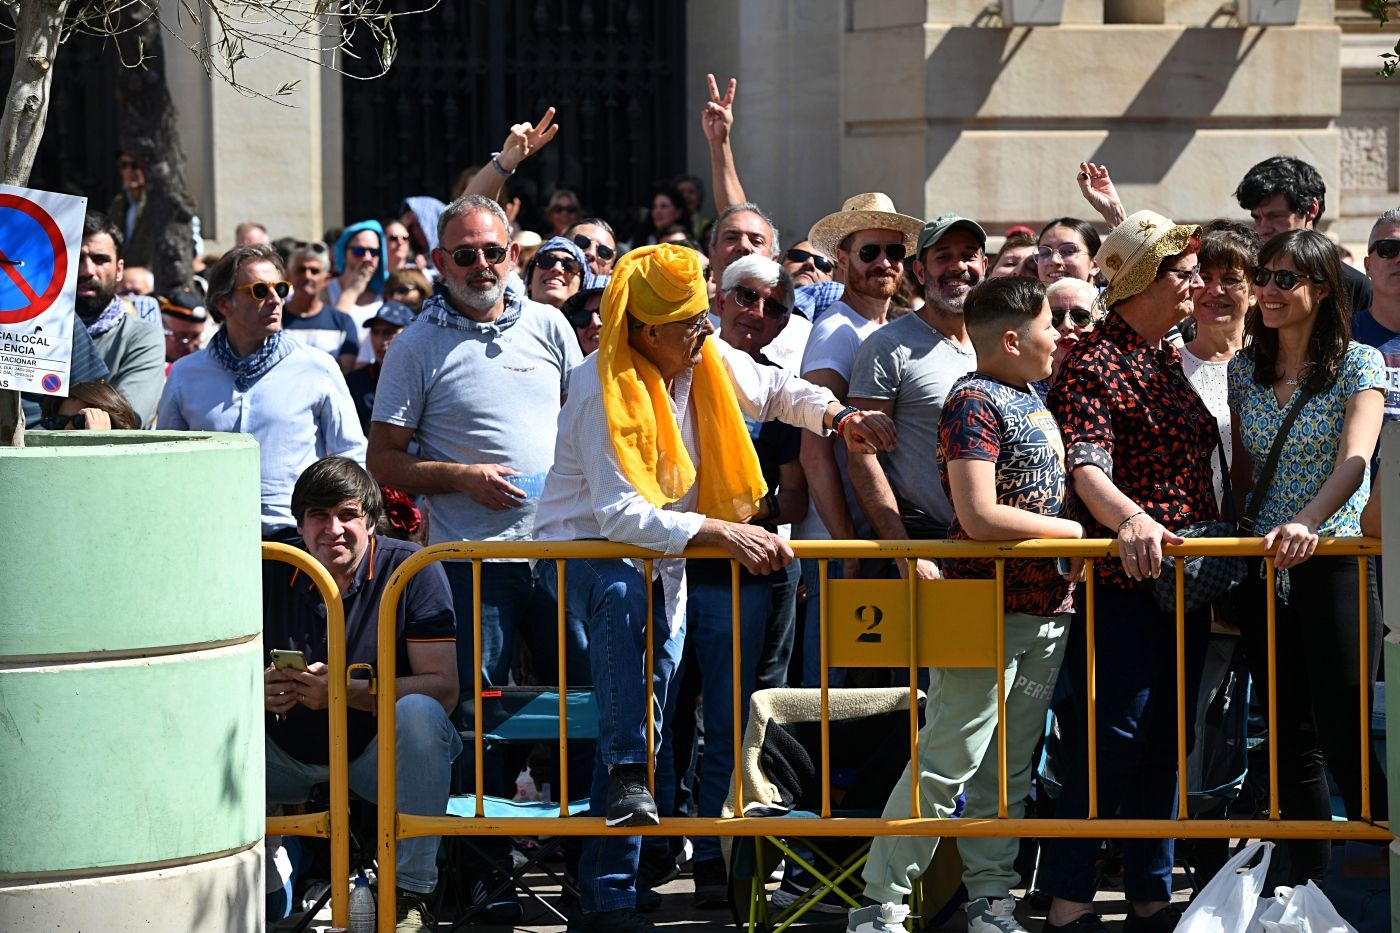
{"x": 1266, "y": 475}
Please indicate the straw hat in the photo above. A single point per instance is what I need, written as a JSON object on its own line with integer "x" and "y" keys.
{"x": 871, "y": 211}
{"x": 1131, "y": 254}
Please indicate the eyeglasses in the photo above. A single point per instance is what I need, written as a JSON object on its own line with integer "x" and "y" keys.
{"x": 1066, "y": 251}
{"x": 465, "y": 256}
{"x": 823, "y": 264}
{"x": 1079, "y": 317}
{"x": 748, "y": 298}
{"x": 870, "y": 251}
{"x": 567, "y": 263}
{"x": 396, "y": 237}
{"x": 261, "y": 290}
{"x": 182, "y": 341}
{"x": 403, "y": 289}
{"x": 605, "y": 252}
{"x": 564, "y": 209}
{"x": 694, "y": 327}
{"x": 59, "y": 422}
{"x": 126, "y": 163}
{"x": 1283, "y": 278}
{"x": 362, "y": 251}
{"x": 1186, "y": 276}
{"x": 1386, "y": 249}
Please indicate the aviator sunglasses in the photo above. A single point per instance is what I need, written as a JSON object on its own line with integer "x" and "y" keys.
{"x": 1283, "y": 278}
{"x": 749, "y": 299}
{"x": 823, "y": 264}
{"x": 893, "y": 251}
{"x": 261, "y": 290}
{"x": 605, "y": 252}
{"x": 1079, "y": 317}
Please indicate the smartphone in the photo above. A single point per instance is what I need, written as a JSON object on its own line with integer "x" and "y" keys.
{"x": 286, "y": 660}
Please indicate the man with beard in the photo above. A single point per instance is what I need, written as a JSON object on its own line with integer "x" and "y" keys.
{"x": 475, "y": 359}
{"x": 133, "y": 349}
{"x": 906, "y": 370}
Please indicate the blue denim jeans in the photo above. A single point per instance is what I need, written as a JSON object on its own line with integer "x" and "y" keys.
{"x": 812, "y": 632}
{"x": 611, "y": 597}
{"x": 425, "y": 745}
{"x": 779, "y": 629}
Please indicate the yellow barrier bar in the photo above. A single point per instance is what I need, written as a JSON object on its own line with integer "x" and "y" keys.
{"x": 478, "y": 741}
{"x": 1001, "y": 687}
{"x": 1181, "y": 804}
{"x": 915, "y": 772}
{"x": 563, "y": 678}
{"x": 823, "y": 572}
{"x": 386, "y": 729}
{"x": 1272, "y": 693}
{"x": 337, "y": 819}
{"x": 736, "y": 674}
{"x": 1091, "y": 687}
{"x": 650, "y": 673}
{"x": 1362, "y": 567}
{"x": 302, "y": 824}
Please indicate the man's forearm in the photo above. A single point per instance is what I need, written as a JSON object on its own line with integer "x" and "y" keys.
{"x": 401, "y": 469}
{"x": 725, "y": 177}
{"x": 875, "y": 496}
{"x": 438, "y": 686}
{"x": 824, "y": 483}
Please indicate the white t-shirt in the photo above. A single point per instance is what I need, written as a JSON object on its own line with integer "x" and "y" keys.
{"x": 1212, "y": 384}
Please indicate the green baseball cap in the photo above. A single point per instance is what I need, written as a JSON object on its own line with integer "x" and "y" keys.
{"x": 933, "y": 230}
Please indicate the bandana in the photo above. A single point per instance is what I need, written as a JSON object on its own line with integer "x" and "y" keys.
{"x": 436, "y": 310}
{"x": 249, "y": 369}
{"x": 108, "y": 318}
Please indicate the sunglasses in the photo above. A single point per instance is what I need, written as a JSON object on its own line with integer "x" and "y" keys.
{"x": 871, "y": 251}
{"x": 1066, "y": 251}
{"x": 1386, "y": 249}
{"x": 1283, "y": 278}
{"x": 823, "y": 264}
{"x": 261, "y": 290}
{"x": 363, "y": 251}
{"x": 403, "y": 289}
{"x": 1079, "y": 317}
{"x": 750, "y": 299}
{"x": 316, "y": 246}
{"x": 126, "y": 163}
{"x": 567, "y": 263}
{"x": 605, "y": 252}
{"x": 564, "y": 209}
{"x": 397, "y": 237}
{"x": 59, "y": 422}
{"x": 465, "y": 256}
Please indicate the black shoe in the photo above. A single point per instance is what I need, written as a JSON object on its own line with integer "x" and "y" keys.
{"x": 1163, "y": 921}
{"x": 657, "y": 866}
{"x": 629, "y": 801}
{"x": 1084, "y": 923}
{"x": 610, "y": 921}
{"x": 500, "y": 909}
{"x": 711, "y": 884}
{"x": 411, "y": 913}
{"x": 648, "y": 901}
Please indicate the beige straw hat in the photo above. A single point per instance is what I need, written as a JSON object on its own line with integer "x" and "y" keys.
{"x": 1131, "y": 254}
{"x": 871, "y": 211}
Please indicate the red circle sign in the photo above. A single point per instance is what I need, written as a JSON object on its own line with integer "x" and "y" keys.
{"x": 39, "y": 303}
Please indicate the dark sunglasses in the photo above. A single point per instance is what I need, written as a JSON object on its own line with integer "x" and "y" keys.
{"x": 564, "y": 209}
{"x": 397, "y": 237}
{"x": 605, "y": 252}
{"x": 1283, "y": 278}
{"x": 126, "y": 163}
{"x": 567, "y": 263}
{"x": 316, "y": 246}
{"x": 1079, "y": 317}
{"x": 260, "y": 290}
{"x": 823, "y": 264}
{"x": 465, "y": 256}
{"x": 871, "y": 251}
{"x": 748, "y": 298}
{"x": 402, "y": 289}
{"x": 363, "y": 251}
{"x": 59, "y": 422}
{"x": 1386, "y": 249}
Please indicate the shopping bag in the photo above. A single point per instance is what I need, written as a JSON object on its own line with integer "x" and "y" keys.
{"x": 1306, "y": 910}
{"x": 1228, "y": 903}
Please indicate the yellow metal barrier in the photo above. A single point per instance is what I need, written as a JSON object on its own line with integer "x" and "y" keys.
{"x": 335, "y": 822}
{"x": 852, "y": 614}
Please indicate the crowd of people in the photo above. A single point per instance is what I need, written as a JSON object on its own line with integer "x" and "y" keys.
{"x": 449, "y": 375}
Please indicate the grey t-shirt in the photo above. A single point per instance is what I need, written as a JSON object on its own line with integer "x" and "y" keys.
{"x": 481, "y": 393}
{"x": 913, "y": 365}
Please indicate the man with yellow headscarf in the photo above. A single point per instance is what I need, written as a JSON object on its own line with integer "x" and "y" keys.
{"x": 653, "y": 451}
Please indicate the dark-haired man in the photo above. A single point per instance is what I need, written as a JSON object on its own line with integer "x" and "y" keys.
{"x": 1284, "y": 193}
{"x": 338, "y": 507}
{"x": 595, "y": 237}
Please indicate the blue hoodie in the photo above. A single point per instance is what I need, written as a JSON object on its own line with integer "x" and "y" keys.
{"x": 427, "y": 210}
{"x": 376, "y": 283}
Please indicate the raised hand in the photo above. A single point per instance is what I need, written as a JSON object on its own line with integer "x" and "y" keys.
{"x": 1098, "y": 190}
{"x": 525, "y": 139}
{"x": 718, "y": 117}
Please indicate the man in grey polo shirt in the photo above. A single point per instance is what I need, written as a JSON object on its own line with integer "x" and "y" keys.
{"x": 477, "y": 382}
{"x": 905, "y": 369}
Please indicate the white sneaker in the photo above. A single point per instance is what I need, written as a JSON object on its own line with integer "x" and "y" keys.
{"x": 877, "y": 918}
{"x": 985, "y": 915}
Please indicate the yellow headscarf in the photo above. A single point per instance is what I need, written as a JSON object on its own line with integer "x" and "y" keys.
{"x": 663, "y": 284}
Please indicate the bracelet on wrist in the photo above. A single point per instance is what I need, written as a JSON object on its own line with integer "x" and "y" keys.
{"x": 496, "y": 164}
{"x": 1130, "y": 518}
{"x": 840, "y": 417}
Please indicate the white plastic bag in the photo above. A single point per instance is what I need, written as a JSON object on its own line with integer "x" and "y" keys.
{"x": 1228, "y": 903}
{"x": 1305, "y": 910}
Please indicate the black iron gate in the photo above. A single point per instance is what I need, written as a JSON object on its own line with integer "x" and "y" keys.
{"x": 466, "y": 71}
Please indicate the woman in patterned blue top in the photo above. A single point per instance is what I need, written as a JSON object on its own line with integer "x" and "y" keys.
{"x": 1299, "y": 340}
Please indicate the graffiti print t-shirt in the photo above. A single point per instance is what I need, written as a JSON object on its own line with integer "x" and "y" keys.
{"x": 986, "y": 419}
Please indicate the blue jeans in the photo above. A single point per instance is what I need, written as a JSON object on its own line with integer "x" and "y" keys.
{"x": 780, "y": 628}
{"x": 709, "y": 625}
{"x": 611, "y": 597}
{"x": 1135, "y": 663}
{"x": 425, "y": 744}
{"x": 811, "y": 633}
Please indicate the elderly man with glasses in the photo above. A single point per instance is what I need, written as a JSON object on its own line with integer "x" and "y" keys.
{"x": 477, "y": 383}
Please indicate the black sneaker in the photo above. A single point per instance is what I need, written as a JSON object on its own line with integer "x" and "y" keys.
{"x": 657, "y": 866}
{"x": 610, "y": 921}
{"x": 648, "y": 901}
{"x": 1084, "y": 923}
{"x": 711, "y": 884}
{"x": 629, "y": 801}
{"x": 1163, "y": 921}
{"x": 501, "y": 908}
{"x": 411, "y": 914}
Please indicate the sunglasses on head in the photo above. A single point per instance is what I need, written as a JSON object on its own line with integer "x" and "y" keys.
{"x": 59, "y": 422}
{"x": 1386, "y": 249}
{"x": 465, "y": 256}
{"x": 316, "y": 246}
{"x": 1079, "y": 317}
{"x": 823, "y": 264}
{"x": 871, "y": 251}
{"x": 748, "y": 298}
{"x": 567, "y": 263}
{"x": 605, "y": 252}
{"x": 1283, "y": 278}
{"x": 261, "y": 290}
{"x": 362, "y": 251}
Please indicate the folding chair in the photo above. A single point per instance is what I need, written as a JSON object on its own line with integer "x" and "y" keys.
{"x": 521, "y": 716}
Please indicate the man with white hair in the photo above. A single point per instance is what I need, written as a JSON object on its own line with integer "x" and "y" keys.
{"x": 1073, "y": 309}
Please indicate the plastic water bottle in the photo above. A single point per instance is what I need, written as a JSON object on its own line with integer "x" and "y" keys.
{"x": 361, "y": 906}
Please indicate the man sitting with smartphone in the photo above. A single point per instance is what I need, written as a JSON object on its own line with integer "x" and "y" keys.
{"x": 337, "y": 507}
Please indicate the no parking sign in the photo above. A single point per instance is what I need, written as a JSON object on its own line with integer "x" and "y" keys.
{"x": 40, "y": 234}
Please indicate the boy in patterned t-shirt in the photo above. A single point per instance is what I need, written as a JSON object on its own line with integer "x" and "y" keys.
{"x": 1001, "y": 462}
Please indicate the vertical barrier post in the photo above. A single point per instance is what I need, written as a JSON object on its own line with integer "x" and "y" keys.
{"x": 823, "y": 604}
{"x": 387, "y": 805}
{"x": 1001, "y": 686}
{"x": 912, "y": 607}
{"x": 563, "y": 678}
{"x": 478, "y": 743}
{"x": 1179, "y": 566}
{"x": 648, "y": 564}
{"x": 1272, "y": 696}
{"x": 736, "y": 673}
{"x": 1363, "y": 605}
{"x": 1091, "y": 682}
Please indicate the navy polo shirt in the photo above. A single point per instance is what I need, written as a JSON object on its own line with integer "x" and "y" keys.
{"x": 294, "y": 617}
